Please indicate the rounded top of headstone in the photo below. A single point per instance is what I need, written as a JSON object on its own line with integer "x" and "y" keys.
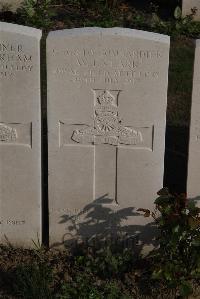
{"x": 198, "y": 43}
{"x": 112, "y": 31}
{"x": 24, "y": 30}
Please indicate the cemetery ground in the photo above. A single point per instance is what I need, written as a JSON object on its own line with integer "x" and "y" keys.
{"x": 114, "y": 272}
{"x": 102, "y": 269}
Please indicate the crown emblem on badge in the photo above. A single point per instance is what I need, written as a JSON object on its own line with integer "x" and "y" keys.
{"x": 105, "y": 98}
{"x": 7, "y": 134}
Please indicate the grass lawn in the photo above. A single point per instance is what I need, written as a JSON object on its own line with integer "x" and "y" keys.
{"x": 48, "y": 274}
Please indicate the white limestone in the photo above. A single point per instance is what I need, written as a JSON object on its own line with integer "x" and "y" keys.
{"x": 20, "y": 135}
{"x": 107, "y": 95}
{"x": 193, "y": 186}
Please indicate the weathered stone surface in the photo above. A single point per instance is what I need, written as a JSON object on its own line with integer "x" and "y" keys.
{"x": 107, "y": 94}
{"x": 187, "y": 7}
{"x": 193, "y": 186}
{"x": 12, "y": 5}
{"x": 20, "y": 134}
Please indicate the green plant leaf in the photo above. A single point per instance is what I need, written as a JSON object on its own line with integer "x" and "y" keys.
{"x": 177, "y": 13}
{"x": 163, "y": 200}
{"x": 176, "y": 229}
{"x": 185, "y": 288}
{"x": 163, "y": 192}
{"x": 157, "y": 274}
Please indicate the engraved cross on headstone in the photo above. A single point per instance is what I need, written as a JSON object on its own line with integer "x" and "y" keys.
{"x": 107, "y": 135}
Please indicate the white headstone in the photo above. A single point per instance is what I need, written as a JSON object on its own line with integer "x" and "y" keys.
{"x": 12, "y": 5}
{"x": 107, "y": 95}
{"x": 20, "y": 134}
{"x": 187, "y": 7}
{"x": 193, "y": 186}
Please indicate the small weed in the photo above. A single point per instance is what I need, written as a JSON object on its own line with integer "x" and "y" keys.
{"x": 36, "y": 13}
{"x": 32, "y": 281}
{"x": 84, "y": 287}
{"x": 177, "y": 261}
{"x": 112, "y": 291}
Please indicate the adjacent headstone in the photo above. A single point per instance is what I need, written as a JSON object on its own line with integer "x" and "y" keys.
{"x": 187, "y": 7}
{"x": 12, "y": 5}
{"x": 107, "y": 95}
{"x": 193, "y": 186}
{"x": 20, "y": 135}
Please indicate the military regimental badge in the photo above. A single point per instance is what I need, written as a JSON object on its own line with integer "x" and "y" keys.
{"x": 7, "y": 134}
{"x": 108, "y": 127}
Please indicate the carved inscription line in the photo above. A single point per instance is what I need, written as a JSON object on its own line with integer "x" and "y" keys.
{"x": 12, "y": 222}
{"x": 106, "y": 65}
{"x": 111, "y": 52}
{"x": 14, "y": 59}
{"x": 127, "y": 76}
